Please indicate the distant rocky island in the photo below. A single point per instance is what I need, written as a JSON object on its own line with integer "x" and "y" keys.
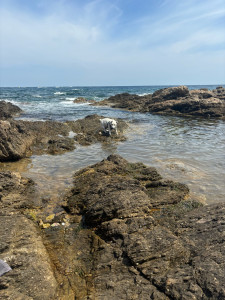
{"x": 122, "y": 231}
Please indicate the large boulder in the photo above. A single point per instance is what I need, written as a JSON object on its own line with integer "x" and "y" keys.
{"x": 170, "y": 93}
{"x": 15, "y": 140}
{"x": 8, "y": 110}
{"x": 22, "y": 138}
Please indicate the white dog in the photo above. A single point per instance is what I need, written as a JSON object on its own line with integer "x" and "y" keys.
{"x": 108, "y": 125}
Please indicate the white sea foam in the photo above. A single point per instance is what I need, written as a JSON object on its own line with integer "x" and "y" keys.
{"x": 37, "y": 96}
{"x": 71, "y": 99}
{"x": 59, "y": 93}
{"x": 143, "y": 94}
{"x": 10, "y": 100}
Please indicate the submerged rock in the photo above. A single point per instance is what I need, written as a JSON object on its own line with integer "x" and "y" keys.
{"x": 178, "y": 101}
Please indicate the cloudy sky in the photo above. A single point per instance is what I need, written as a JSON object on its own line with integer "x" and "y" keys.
{"x": 112, "y": 42}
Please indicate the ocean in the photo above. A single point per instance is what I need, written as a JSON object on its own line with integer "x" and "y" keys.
{"x": 188, "y": 150}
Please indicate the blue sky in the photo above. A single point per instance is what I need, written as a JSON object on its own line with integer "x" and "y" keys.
{"x": 112, "y": 42}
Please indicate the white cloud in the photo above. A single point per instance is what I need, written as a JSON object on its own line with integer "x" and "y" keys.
{"x": 82, "y": 40}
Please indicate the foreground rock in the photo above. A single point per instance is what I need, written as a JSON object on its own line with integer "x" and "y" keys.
{"x": 23, "y": 138}
{"x": 21, "y": 244}
{"x": 152, "y": 244}
{"x": 125, "y": 233}
{"x": 178, "y": 101}
{"x": 8, "y": 110}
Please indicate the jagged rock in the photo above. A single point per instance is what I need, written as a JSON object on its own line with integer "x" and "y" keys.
{"x": 177, "y": 101}
{"x": 8, "y": 110}
{"x": 172, "y": 93}
{"x": 15, "y": 140}
{"x": 22, "y": 138}
{"x": 125, "y": 101}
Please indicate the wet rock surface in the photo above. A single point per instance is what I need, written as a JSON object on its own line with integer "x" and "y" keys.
{"x": 8, "y": 110}
{"x": 21, "y": 244}
{"x": 178, "y": 101}
{"x": 89, "y": 130}
{"x": 121, "y": 232}
{"x": 23, "y": 138}
{"x": 152, "y": 247}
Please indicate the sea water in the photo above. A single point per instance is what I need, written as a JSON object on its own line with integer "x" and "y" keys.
{"x": 188, "y": 150}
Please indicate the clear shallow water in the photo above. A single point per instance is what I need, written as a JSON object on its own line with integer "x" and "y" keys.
{"x": 188, "y": 150}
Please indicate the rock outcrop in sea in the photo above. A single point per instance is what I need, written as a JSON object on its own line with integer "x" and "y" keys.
{"x": 177, "y": 101}
{"x": 121, "y": 232}
{"x": 23, "y": 138}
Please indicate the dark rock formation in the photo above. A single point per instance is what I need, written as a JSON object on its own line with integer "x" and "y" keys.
{"x": 22, "y": 138}
{"x": 8, "y": 110}
{"x": 15, "y": 140}
{"x": 178, "y": 101}
{"x": 125, "y": 101}
{"x": 152, "y": 243}
{"x": 125, "y": 233}
{"x": 89, "y": 130}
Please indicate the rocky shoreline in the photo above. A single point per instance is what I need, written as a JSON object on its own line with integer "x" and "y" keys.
{"x": 121, "y": 232}
{"x": 176, "y": 101}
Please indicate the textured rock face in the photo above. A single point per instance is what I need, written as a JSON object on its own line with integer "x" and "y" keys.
{"x": 89, "y": 130}
{"x": 178, "y": 101}
{"x": 15, "y": 140}
{"x": 21, "y": 244}
{"x": 8, "y": 110}
{"x": 126, "y": 101}
{"x": 22, "y": 138}
{"x": 144, "y": 252}
{"x": 172, "y": 93}
{"x": 126, "y": 234}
